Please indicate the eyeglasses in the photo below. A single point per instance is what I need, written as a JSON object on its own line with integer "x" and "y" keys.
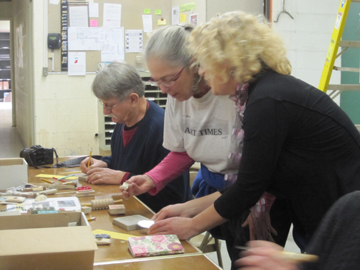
{"x": 168, "y": 83}
{"x": 107, "y": 106}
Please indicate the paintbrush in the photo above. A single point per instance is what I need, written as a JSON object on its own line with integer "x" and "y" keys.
{"x": 292, "y": 256}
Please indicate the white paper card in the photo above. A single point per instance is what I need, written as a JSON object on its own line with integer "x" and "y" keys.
{"x": 175, "y": 15}
{"x": 147, "y": 23}
{"x": 94, "y": 10}
{"x": 84, "y": 38}
{"x": 133, "y": 40}
{"x": 112, "y": 47}
{"x": 76, "y": 63}
{"x": 112, "y": 15}
{"x": 78, "y": 16}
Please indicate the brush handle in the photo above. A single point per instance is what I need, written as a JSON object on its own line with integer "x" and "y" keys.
{"x": 291, "y": 256}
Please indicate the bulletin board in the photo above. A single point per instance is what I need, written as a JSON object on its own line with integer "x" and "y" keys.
{"x": 131, "y": 19}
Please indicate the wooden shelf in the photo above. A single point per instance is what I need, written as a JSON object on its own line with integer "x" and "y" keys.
{"x": 5, "y": 66}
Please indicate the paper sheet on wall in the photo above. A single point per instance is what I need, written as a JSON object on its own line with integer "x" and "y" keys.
{"x": 182, "y": 17}
{"x": 93, "y": 23}
{"x": 112, "y": 15}
{"x": 78, "y": 16}
{"x": 193, "y": 19}
{"x": 112, "y": 48}
{"x": 76, "y": 63}
{"x": 94, "y": 10}
{"x": 175, "y": 15}
{"x": 54, "y": 2}
{"x": 133, "y": 40}
{"x": 84, "y": 38}
{"x": 147, "y": 23}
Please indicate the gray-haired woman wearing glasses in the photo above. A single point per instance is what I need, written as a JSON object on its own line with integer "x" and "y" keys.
{"x": 199, "y": 126}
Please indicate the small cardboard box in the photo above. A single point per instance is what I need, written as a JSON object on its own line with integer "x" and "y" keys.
{"x": 13, "y": 172}
{"x": 46, "y": 241}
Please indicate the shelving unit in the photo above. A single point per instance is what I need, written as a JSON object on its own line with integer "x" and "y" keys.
{"x": 106, "y": 126}
{"x": 5, "y": 64}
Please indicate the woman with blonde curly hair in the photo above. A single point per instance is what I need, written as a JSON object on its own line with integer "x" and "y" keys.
{"x": 297, "y": 143}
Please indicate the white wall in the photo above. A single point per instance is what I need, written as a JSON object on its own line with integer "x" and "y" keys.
{"x": 22, "y": 66}
{"x": 65, "y": 109}
{"x": 307, "y": 36}
{"x": 214, "y": 7}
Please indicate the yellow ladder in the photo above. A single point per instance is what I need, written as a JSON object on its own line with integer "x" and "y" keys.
{"x": 332, "y": 53}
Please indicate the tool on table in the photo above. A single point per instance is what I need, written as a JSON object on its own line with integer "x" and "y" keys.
{"x": 101, "y": 203}
{"x": 75, "y": 172}
{"x": 116, "y": 209}
{"x": 64, "y": 177}
{"x": 59, "y": 180}
{"x": 89, "y": 162}
{"x": 41, "y": 188}
{"x": 291, "y": 256}
{"x": 47, "y": 180}
{"x": 102, "y": 239}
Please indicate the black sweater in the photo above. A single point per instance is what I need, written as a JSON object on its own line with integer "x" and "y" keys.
{"x": 299, "y": 145}
{"x": 143, "y": 152}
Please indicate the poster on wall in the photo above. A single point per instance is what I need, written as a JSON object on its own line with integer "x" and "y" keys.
{"x": 133, "y": 40}
{"x": 77, "y": 63}
{"x": 147, "y": 23}
{"x": 112, "y": 16}
{"x": 112, "y": 44}
{"x": 94, "y": 10}
{"x": 175, "y": 15}
{"x": 193, "y": 19}
{"x": 78, "y": 16}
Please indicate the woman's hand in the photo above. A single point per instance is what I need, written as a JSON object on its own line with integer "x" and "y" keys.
{"x": 175, "y": 210}
{"x": 184, "y": 228}
{"x": 137, "y": 185}
{"x": 263, "y": 255}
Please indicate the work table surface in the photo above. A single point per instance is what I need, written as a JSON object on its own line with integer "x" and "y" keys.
{"x": 117, "y": 253}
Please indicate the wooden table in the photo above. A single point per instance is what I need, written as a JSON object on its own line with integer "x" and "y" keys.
{"x": 117, "y": 253}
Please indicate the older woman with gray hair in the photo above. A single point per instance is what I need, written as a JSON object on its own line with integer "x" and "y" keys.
{"x": 199, "y": 126}
{"x": 136, "y": 143}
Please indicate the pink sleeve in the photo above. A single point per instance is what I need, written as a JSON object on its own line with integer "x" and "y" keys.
{"x": 171, "y": 167}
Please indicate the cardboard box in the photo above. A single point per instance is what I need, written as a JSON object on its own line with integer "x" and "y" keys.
{"x": 13, "y": 172}
{"x": 45, "y": 241}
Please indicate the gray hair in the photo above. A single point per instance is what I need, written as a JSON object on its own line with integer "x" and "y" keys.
{"x": 169, "y": 45}
{"x": 117, "y": 80}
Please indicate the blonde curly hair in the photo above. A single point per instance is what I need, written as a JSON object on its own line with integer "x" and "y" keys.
{"x": 239, "y": 45}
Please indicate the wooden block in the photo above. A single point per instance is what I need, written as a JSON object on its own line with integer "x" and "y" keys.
{"x": 15, "y": 199}
{"x": 102, "y": 241}
{"x": 129, "y": 223}
{"x": 86, "y": 209}
{"x": 116, "y": 209}
{"x": 82, "y": 177}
